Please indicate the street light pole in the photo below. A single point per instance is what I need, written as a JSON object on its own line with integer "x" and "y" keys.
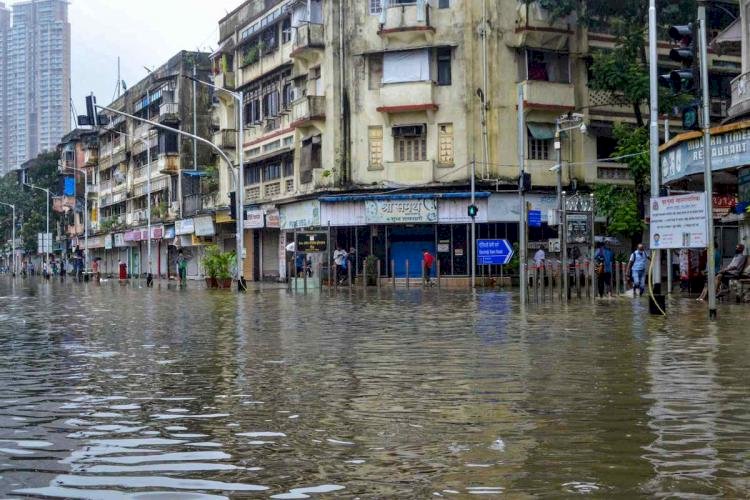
{"x": 13, "y": 235}
{"x": 197, "y": 138}
{"x": 240, "y": 186}
{"x": 654, "y": 139}
{"x": 708, "y": 176}
{"x": 521, "y": 194}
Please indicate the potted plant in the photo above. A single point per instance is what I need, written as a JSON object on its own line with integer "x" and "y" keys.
{"x": 210, "y": 265}
{"x": 224, "y": 263}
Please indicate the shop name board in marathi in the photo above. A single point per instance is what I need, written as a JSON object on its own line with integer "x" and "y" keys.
{"x": 401, "y": 211}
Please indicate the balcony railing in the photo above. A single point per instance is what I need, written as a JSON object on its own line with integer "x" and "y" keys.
{"x": 225, "y": 139}
{"x": 225, "y": 80}
{"x": 553, "y": 95}
{"x": 169, "y": 112}
{"x": 197, "y": 203}
{"x": 406, "y": 23}
{"x": 308, "y": 37}
{"x": 307, "y": 109}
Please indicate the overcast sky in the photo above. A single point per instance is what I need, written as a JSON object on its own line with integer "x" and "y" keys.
{"x": 141, "y": 32}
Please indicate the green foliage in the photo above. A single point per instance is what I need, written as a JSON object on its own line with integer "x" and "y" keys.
{"x": 618, "y": 205}
{"x": 371, "y": 267}
{"x": 218, "y": 264}
{"x": 31, "y": 204}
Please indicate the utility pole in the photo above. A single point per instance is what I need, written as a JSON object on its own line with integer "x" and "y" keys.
{"x": 473, "y": 226}
{"x": 521, "y": 194}
{"x": 669, "y": 251}
{"x": 708, "y": 176}
{"x": 658, "y": 298}
{"x": 13, "y": 235}
{"x": 46, "y": 235}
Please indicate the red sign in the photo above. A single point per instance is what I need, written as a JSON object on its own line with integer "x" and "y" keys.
{"x": 723, "y": 204}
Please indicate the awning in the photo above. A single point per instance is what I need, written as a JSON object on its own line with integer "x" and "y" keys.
{"x": 732, "y": 33}
{"x": 226, "y": 47}
{"x": 194, "y": 173}
{"x": 541, "y": 131}
{"x": 267, "y": 156}
{"x": 409, "y": 196}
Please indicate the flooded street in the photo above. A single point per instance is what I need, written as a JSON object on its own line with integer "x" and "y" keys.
{"x": 114, "y": 392}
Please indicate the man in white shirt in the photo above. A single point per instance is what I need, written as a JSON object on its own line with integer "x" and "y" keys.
{"x": 539, "y": 257}
{"x": 339, "y": 259}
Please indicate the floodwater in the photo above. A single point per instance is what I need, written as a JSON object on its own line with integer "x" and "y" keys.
{"x": 120, "y": 392}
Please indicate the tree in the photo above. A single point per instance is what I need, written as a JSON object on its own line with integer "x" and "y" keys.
{"x": 31, "y": 204}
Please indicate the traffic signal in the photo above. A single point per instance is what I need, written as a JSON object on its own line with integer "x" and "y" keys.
{"x": 690, "y": 114}
{"x": 684, "y": 79}
{"x": 233, "y": 205}
{"x": 524, "y": 182}
{"x": 472, "y": 210}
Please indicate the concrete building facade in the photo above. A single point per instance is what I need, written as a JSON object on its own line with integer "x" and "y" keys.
{"x": 35, "y": 82}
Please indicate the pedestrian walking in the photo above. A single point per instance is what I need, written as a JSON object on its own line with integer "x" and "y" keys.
{"x": 637, "y": 266}
{"x": 339, "y": 259}
{"x": 182, "y": 267}
{"x": 603, "y": 259}
{"x": 428, "y": 260}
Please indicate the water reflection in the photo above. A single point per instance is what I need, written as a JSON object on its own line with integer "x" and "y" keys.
{"x": 113, "y": 391}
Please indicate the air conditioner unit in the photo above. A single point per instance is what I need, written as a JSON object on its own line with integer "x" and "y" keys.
{"x": 719, "y": 107}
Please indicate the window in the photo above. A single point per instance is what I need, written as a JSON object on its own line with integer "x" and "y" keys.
{"x": 605, "y": 146}
{"x": 168, "y": 143}
{"x": 376, "y": 6}
{"x": 444, "y": 4}
{"x": 547, "y": 66}
{"x": 410, "y": 142}
{"x": 375, "y": 144}
{"x": 375, "y": 71}
{"x": 252, "y": 175}
{"x": 286, "y": 30}
{"x": 444, "y": 66}
{"x": 288, "y": 166}
{"x": 272, "y": 171}
{"x": 539, "y": 148}
{"x": 287, "y": 96}
{"x": 310, "y": 158}
{"x": 406, "y": 66}
{"x": 445, "y": 144}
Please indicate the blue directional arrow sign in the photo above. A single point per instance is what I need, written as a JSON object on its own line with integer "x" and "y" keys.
{"x": 494, "y": 252}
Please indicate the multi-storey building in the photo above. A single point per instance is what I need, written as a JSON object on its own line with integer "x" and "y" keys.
{"x": 181, "y": 187}
{"x": 368, "y": 116}
{"x": 35, "y": 87}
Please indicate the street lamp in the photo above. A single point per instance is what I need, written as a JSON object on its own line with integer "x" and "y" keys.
{"x": 202, "y": 141}
{"x": 579, "y": 125}
{"x": 237, "y": 96}
{"x": 46, "y": 250}
{"x": 13, "y": 234}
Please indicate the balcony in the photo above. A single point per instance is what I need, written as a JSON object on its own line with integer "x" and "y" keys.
{"x": 169, "y": 164}
{"x": 309, "y": 41}
{"x": 407, "y": 97}
{"x": 406, "y": 24}
{"x": 198, "y": 203}
{"x": 169, "y": 112}
{"x": 549, "y": 96}
{"x": 225, "y": 80}
{"x": 308, "y": 109}
{"x": 409, "y": 173}
{"x": 91, "y": 157}
{"x": 257, "y": 64}
{"x": 225, "y": 139}
{"x": 740, "y": 96}
{"x": 537, "y": 27}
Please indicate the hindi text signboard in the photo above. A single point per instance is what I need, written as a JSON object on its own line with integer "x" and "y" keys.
{"x": 679, "y": 221}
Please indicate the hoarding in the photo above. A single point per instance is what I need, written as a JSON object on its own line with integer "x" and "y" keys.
{"x": 679, "y": 221}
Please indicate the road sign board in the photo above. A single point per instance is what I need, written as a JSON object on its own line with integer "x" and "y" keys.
{"x": 311, "y": 242}
{"x": 494, "y": 252}
{"x": 535, "y": 218}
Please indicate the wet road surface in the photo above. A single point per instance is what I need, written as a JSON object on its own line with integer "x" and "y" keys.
{"x": 119, "y": 392}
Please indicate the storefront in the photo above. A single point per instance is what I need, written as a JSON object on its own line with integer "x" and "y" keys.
{"x": 683, "y": 166}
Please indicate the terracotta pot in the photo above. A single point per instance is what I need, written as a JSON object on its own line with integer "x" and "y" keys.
{"x": 225, "y": 283}
{"x": 212, "y": 283}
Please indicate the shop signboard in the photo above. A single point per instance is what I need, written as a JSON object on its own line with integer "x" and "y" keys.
{"x": 300, "y": 215}
{"x": 578, "y": 227}
{"x": 204, "y": 226}
{"x": 405, "y": 211}
{"x": 535, "y": 218}
{"x": 744, "y": 185}
{"x": 679, "y": 221}
{"x": 108, "y": 242}
{"x": 169, "y": 232}
{"x": 312, "y": 242}
{"x": 273, "y": 219}
{"x": 254, "y": 219}
{"x": 120, "y": 240}
{"x": 184, "y": 226}
{"x": 494, "y": 252}
{"x": 728, "y": 150}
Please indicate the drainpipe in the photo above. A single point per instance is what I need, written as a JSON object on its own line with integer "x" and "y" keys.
{"x": 486, "y": 88}
{"x": 344, "y": 172}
